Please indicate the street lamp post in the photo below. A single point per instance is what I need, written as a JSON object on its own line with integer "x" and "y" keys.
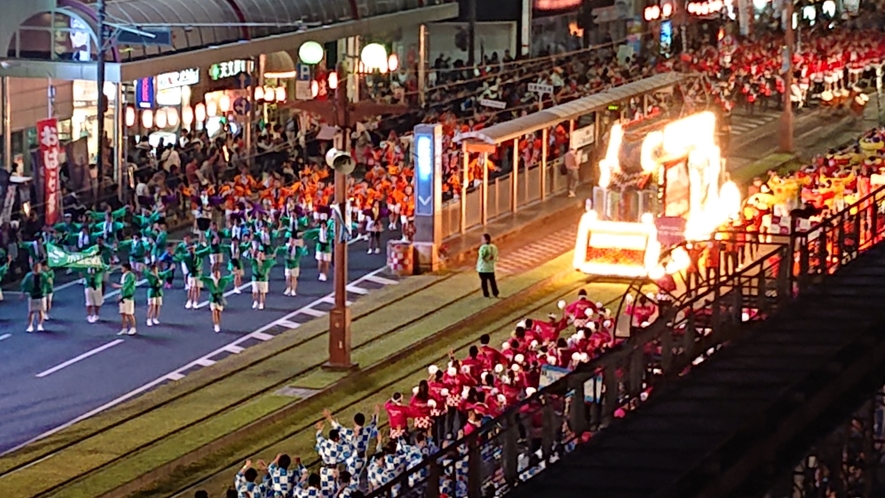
{"x": 786, "y": 135}
{"x": 344, "y": 115}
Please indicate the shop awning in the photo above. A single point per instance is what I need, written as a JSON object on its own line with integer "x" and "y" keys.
{"x": 206, "y": 32}
{"x": 197, "y": 24}
{"x": 551, "y": 117}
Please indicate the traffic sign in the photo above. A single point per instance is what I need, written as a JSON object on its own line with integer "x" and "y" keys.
{"x": 303, "y": 72}
{"x": 540, "y": 89}
{"x": 241, "y": 106}
{"x": 244, "y": 80}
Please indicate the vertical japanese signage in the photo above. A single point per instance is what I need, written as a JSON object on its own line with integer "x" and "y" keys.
{"x": 428, "y": 163}
{"x": 144, "y": 93}
{"x": 47, "y": 133}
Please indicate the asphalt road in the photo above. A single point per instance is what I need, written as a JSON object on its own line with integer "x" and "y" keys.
{"x": 75, "y": 369}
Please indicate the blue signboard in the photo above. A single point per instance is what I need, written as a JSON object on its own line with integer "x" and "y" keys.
{"x": 241, "y": 106}
{"x": 424, "y": 165}
{"x": 303, "y": 72}
{"x": 666, "y": 35}
{"x": 244, "y": 80}
{"x": 145, "y": 97}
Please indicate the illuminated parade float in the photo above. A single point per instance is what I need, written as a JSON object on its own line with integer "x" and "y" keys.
{"x": 661, "y": 182}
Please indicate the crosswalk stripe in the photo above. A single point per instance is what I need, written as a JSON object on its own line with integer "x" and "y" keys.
{"x": 380, "y": 280}
{"x": 313, "y": 312}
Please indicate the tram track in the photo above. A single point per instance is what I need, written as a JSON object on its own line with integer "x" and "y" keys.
{"x": 499, "y": 329}
{"x": 59, "y": 487}
{"x": 37, "y": 457}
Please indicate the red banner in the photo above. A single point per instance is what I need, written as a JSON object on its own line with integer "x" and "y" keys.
{"x": 47, "y": 132}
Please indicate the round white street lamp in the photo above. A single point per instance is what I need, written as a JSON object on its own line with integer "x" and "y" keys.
{"x": 374, "y": 56}
{"x": 310, "y": 53}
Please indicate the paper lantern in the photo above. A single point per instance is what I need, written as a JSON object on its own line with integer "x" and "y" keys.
{"x": 147, "y": 118}
{"x": 269, "y": 94}
{"x": 130, "y": 116}
{"x": 259, "y": 93}
{"x": 393, "y": 62}
{"x": 374, "y": 56}
{"x": 187, "y": 116}
{"x": 314, "y": 88}
{"x": 200, "y": 112}
{"x": 310, "y": 52}
{"x": 224, "y": 104}
{"x": 160, "y": 119}
{"x": 211, "y": 109}
{"x": 333, "y": 80}
{"x": 171, "y": 117}
{"x": 280, "y": 94}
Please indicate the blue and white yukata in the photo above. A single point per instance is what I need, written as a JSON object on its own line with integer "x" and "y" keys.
{"x": 359, "y": 440}
{"x": 332, "y": 454}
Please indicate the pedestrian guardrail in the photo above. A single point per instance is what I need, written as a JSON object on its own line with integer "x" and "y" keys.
{"x": 545, "y": 426}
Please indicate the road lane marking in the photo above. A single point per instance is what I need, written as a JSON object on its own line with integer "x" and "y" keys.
{"x": 205, "y": 362}
{"x": 76, "y": 359}
{"x": 175, "y": 375}
{"x": 312, "y": 312}
{"x": 372, "y": 277}
{"x": 288, "y": 324}
{"x": 226, "y": 294}
{"x": 5, "y": 336}
{"x": 234, "y": 349}
{"x": 357, "y": 290}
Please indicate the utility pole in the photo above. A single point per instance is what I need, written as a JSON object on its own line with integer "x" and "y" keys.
{"x": 99, "y": 82}
{"x": 786, "y": 138}
{"x": 471, "y": 33}
{"x": 344, "y": 115}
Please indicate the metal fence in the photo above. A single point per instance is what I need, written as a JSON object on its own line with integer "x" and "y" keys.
{"x": 542, "y": 428}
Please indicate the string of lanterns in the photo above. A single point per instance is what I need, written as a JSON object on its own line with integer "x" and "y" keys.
{"x": 168, "y": 117}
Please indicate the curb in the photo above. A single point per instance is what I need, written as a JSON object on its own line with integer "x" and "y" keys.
{"x": 166, "y": 470}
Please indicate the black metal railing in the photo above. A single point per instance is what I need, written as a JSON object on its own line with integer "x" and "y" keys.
{"x": 542, "y": 428}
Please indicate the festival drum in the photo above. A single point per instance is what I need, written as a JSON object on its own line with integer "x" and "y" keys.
{"x": 826, "y": 98}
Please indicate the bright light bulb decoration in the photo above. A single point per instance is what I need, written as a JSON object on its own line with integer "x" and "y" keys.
{"x": 147, "y": 118}
{"x": 211, "y": 109}
{"x": 171, "y": 117}
{"x": 612, "y": 247}
{"x": 130, "y": 116}
{"x": 187, "y": 116}
{"x": 200, "y": 112}
{"x": 280, "y": 94}
{"x": 160, "y": 119}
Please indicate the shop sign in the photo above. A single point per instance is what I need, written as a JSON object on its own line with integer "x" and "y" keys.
{"x": 47, "y": 132}
{"x": 494, "y": 104}
{"x": 144, "y": 93}
{"x": 177, "y": 79}
{"x": 227, "y": 69}
{"x": 582, "y": 137}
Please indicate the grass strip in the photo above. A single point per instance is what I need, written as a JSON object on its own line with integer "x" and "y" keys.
{"x": 361, "y": 395}
{"x": 121, "y": 441}
{"x": 361, "y": 309}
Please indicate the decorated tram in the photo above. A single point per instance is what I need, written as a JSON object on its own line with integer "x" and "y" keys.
{"x": 662, "y": 182}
